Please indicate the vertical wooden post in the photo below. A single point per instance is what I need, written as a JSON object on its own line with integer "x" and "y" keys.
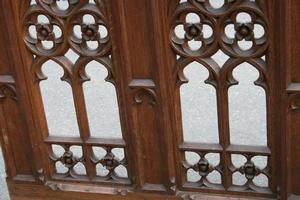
{"x": 290, "y": 63}
{"x": 140, "y": 58}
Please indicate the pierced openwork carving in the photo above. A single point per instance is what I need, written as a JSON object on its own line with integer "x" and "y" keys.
{"x": 198, "y": 29}
{"x": 203, "y": 167}
{"x": 39, "y": 33}
{"x": 250, "y": 170}
{"x": 110, "y": 162}
{"x": 221, "y": 36}
{"x": 193, "y": 32}
{"x": 89, "y": 41}
{"x": 67, "y": 36}
{"x": 48, "y": 29}
{"x": 68, "y": 160}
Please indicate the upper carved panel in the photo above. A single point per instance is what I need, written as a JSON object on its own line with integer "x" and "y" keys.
{"x": 199, "y": 29}
{"x": 51, "y": 27}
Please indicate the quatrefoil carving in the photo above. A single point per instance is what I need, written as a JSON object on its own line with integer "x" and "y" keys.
{"x": 250, "y": 33}
{"x": 40, "y": 36}
{"x": 202, "y": 37}
{"x": 196, "y": 40}
{"x": 250, "y": 170}
{"x": 110, "y": 162}
{"x": 68, "y": 159}
{"x": 58, "y": 30}
{"x": 203, "y": 167}
{"x": 88, "y": 21}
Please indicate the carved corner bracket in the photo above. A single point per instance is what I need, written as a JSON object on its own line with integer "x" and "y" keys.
{"x": 7, "y": 87}
{"x": 293, "y": 92}
{"x": 143, "y": 90}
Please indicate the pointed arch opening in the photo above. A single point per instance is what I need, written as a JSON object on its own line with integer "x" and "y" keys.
{"x": 247, "y": 108}
{"x": 101, "y": 102}
{"x": 58, "y": 102}
{"x": 199, "y": 106}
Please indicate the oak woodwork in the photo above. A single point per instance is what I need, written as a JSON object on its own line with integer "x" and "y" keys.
{"x": 145, "y": 60}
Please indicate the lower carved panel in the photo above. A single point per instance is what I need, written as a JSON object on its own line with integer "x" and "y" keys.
{"x": 107, "y": 161}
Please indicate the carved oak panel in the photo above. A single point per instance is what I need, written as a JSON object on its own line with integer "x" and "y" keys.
{"x": 146, "y": 48}
{"x": 73, "y": 34}
{"x": 200, "y": 32}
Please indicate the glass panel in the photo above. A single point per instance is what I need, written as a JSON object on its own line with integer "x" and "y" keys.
{"x": 247, "y": 108}
{"x": 101, "y": 103}
{"x": 199, "y": 106}
{"x": 58, "y": 102}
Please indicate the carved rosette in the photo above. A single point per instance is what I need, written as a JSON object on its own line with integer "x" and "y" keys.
{"x": 68, "y": 160}
{"x": 89, "y": 42}
{"x": 209, "y": 29}
{"x": 250, "y": 171}
{"x": 193, "y": 31}
{"x": 110, "y": 162}
{"x": 39, "y": 34}
{"x": 50, "y": 30}
{"x": 203, "y": 167}
{"x": 244, "y": 30}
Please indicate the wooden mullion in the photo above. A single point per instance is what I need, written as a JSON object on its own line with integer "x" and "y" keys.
{"x": 224, "y": 131}
{"x": 83, "y": 124}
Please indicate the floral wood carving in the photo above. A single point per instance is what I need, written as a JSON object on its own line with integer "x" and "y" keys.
{"x": 203, "y": 167}
{"x": 49, "y": 30}
{"x": 69, "y": 161}
{"x": 110, "y": 162}
{"x": 73, "y": 34}
{"x": 250, "y": 171}
{"x": 217, "y": 20}
{"x": 198, "y": 33}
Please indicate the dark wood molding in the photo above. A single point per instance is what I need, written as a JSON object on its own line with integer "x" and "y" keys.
{"x": 145, "y": 62}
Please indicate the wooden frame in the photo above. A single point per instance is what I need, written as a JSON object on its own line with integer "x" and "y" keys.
{"x": 149, "y": 104}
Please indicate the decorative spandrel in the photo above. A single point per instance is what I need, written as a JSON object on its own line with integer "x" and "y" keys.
{"x": 224, "y": 36}
{"x": 73, "y": 37}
